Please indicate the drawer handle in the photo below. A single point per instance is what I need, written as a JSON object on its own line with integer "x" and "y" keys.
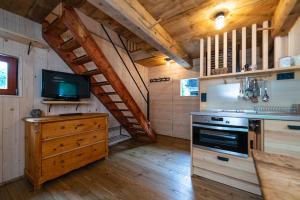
{"x": 294, "y": 127}
{"x": 223, "y": 159}
{"x": 62, "y": 127}
{"x": 80, "y": 154}
{"x": 80, "y": 125}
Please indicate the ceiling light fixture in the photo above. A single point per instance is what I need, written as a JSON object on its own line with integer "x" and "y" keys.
{"x": 220, "y": 20}
{"x": 168, "y": 61}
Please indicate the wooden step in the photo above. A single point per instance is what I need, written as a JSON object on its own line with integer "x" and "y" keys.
{"x": 91, "y": 72}
{"x": 141, "y": 133}
{"x": 137, "y": 129}
{"x": 121, "y": 110}
{"x": 134, "y": 123}
{"x": 82, "y": 60}
{"x": 108, "y": 93}
{"x": 116, "y": 102}
{"x": 69, "y": 45}
{"x": 101, "y": 83}
{"x": 130, "y": 117}
{"x": 56, "y": 27}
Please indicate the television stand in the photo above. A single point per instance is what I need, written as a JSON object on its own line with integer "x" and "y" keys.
{"x": 70, "y": 114}
{"x": 51, "y": 102}
{"x": 66, "y": 100}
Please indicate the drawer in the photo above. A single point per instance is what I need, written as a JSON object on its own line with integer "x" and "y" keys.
{"x": 239, "y": 168}
{"x": 56, "y": 146}
{"x": 282, "y": 137}
{"x": 58, "y": 129}
{"x": 63, "y": 163}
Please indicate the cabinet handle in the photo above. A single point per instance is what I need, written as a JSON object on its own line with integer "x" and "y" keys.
{"x": 294, "y": 127}
{"x": 223, "y": 158}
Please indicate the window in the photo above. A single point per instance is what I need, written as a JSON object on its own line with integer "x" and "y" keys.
{"x": 8, "y": 75}
{"x": 189, "y": 87}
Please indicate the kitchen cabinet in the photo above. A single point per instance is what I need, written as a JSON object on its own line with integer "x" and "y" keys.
{"x": 231, "y": 170}
{"x": 282, "y": 137}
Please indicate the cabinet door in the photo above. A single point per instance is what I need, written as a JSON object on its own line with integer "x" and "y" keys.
{"x": 282, "y": 137}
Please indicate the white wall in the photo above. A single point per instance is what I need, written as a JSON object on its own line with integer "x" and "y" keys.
{"x": 14, "y": 108}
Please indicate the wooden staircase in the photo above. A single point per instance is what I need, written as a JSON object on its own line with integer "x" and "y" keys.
{"x": 131, "y": 118}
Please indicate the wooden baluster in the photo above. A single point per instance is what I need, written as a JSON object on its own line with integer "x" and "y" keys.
{"x": 225, "y": 50}
{"x": 254, "y": 44}
{"x": 244, "y": 43}
{"x": 216, "y": 51}
{"x": 265, "y": 45}
{"x": 234, "y": 51}
{"x": 201, "y": 57}
{"x": 208, "y": 55}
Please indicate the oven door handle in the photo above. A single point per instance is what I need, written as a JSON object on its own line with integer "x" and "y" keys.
{"x": 221, "y": 128}
{"x": 232, "y": 137}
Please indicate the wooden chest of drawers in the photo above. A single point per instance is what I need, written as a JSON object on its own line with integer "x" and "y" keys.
{"x": 56, "y": 145}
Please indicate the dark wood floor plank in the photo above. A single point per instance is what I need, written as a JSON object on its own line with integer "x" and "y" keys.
{"x": 134, "y": 170}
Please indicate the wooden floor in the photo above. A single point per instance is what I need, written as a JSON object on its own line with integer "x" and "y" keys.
{"x": 134, "y": 170}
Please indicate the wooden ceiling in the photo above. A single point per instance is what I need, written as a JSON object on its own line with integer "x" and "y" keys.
{"x": 186, "y": 21}
{"x": 35, "y": 10}
{"x": 189, "y": 20}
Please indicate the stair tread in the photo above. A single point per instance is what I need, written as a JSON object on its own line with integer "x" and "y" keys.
{"x": 137, "y": 128}
{"x": 117, "y": 102}
{"x": 131, "y": 117}
{"x": 91, "y": 72}
{"x": 57, "y": 27}
{"x": 107, "y": 93}
{"x": 119, "y": 109}
{"x": 69, "y": 45}
{"x": 82, "y": 60}
{"x": 100, "y": 83}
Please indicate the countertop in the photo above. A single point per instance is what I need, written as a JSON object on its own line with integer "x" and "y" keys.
{"x": 270, "y": 116}
{"x": 279, "y": 175}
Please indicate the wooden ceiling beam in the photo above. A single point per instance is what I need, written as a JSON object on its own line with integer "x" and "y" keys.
{"x": 284, "y": 16}
{"x": 136, "y": 18}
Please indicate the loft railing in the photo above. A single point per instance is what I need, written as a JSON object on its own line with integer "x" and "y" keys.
{"x": 147, "y": 98}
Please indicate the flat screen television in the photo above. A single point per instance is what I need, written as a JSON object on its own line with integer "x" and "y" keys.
{"x": 64, "y": 86}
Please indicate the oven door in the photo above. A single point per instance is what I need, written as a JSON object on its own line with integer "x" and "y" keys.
{"x": 223, "y": 139}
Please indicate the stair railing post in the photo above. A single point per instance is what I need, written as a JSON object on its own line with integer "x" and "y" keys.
{"x": 148, "y": 106}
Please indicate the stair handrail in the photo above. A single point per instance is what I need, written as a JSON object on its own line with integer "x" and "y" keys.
{"x": 147, "y": 99}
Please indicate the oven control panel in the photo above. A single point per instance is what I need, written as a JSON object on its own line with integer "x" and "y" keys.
{"x": 232, "y": 121}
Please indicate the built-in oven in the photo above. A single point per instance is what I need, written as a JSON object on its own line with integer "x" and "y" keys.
{"x": 227, "y": 135}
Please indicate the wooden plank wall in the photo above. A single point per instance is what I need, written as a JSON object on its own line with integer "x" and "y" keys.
{"x": 14, "y": 108}
{"x": 170, "y": 113}
{"x": 19, "y": 24}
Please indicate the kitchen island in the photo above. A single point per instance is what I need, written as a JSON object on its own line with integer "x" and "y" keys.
{"x": 279, "y": 176}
